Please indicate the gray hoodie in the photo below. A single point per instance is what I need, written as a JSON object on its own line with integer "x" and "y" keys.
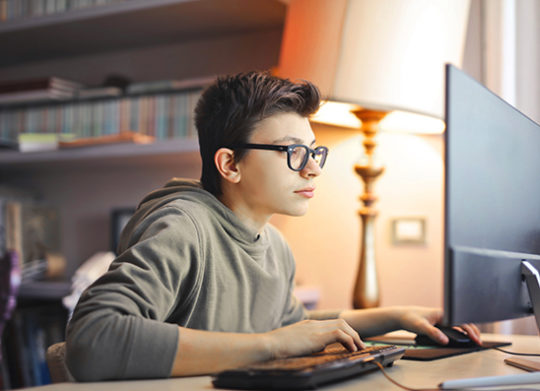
{"x": 185, "y": 259}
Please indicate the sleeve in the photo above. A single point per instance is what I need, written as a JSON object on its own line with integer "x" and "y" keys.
{"x": 118, "y": 329}
{"x": 295, "y": 311}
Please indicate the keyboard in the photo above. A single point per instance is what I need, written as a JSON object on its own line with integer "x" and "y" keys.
{"x": 333, "y": 364}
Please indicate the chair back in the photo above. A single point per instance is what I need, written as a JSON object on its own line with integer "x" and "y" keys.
{"x": 56, "y": 361}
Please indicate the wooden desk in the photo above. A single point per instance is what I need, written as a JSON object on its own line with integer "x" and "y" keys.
{"x": 411, "y": 373}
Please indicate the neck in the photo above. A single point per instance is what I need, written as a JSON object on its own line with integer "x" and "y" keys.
{"x": 244, "y": 212}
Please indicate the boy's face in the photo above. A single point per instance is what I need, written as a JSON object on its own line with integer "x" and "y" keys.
{"x": 268, "y": 185}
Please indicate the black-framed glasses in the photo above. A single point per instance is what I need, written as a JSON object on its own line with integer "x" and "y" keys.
{"x": 297, "y": 154}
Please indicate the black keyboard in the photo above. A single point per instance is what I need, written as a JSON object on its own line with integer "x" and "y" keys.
{"x": 333, "y": 364}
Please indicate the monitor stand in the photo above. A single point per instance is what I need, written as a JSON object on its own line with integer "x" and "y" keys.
{"x": 532, "y": 280}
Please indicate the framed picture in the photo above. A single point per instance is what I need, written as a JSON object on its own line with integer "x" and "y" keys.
{"x": 119, "y": 219}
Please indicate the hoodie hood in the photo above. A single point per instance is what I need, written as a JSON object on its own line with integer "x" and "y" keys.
{"x": 191, "y": 191}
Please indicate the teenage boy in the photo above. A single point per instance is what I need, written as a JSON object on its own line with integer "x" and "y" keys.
{"x": 203, "y": 283}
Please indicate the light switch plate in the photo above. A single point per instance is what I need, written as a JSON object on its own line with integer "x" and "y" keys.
{"x": 409, "y": 230}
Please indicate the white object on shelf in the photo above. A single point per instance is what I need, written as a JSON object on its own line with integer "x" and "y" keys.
{"x": 308, "y": 295}
{"x": 93, "y": 268}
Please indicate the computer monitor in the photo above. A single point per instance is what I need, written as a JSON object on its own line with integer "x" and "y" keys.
{"x": 492, "y": 206}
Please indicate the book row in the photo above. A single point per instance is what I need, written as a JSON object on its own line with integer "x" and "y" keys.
{"x": 15, "y": 9}
{"x": 162, "y": 116}
{"x": 30, "y": 331}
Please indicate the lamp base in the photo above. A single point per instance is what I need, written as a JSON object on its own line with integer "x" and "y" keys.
{"x": 366, "y": 288}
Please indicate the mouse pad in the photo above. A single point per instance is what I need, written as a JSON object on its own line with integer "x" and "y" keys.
{"x": 428, "y": 353}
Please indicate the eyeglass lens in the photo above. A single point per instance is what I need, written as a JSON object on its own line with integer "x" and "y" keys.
{"x": 299, "y": 155}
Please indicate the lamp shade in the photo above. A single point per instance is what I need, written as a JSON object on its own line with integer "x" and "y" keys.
{"x": 382, "y": 54}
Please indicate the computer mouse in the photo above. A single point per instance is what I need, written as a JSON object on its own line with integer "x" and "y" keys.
{"x": 457, "y": 338}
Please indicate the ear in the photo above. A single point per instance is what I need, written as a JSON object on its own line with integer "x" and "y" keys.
{"x": 226, "y": 165}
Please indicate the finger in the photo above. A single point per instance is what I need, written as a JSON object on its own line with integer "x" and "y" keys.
{"x": 354, "y": 342}
{"x": 434, "y": 333}
{"x": 473, "y": 332}
{"x": 438, "y": 336}
{"x": 477, "y": 331}
{"x": 424, "y": 326}
{"x": 348, "y": 341}
{"x": 354, "y": 334}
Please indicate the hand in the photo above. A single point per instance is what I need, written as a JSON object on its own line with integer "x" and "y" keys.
{"x": 420, "y": 320}
{"x": 310, "y": 336}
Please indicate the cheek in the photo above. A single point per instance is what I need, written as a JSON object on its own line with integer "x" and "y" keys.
{"x": 267, "y": 170}
{"x": 270, "y": 183}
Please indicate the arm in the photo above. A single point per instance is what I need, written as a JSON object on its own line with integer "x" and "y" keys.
{"x": 203, "y": 352}
{"x": 119, "y": 329}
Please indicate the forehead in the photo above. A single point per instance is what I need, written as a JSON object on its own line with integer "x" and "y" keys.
{"x": 283, "y": 127}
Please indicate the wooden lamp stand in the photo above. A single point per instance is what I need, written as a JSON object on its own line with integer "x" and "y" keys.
{"x": 366, "y": 288}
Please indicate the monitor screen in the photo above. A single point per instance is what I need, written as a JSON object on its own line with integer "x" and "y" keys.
{"x": 492, "y": 204}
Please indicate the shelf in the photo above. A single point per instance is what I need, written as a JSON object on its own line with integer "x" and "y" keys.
{"x": 44, "y": 290}
{"x": 135, "y": 23}
{"x": 121, "y": 154}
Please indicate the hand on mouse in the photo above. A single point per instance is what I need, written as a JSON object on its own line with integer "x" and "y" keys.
{"x": 472, "y": 331}
{"x": 421, "y": 320}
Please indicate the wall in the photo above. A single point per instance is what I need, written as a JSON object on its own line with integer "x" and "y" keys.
{"x": 326, "y": 241}
{"x": 507, "y": 67}
{"x": 528, "y": 58}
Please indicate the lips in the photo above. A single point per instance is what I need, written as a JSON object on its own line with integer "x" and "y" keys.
{"x": 307, "y": 192}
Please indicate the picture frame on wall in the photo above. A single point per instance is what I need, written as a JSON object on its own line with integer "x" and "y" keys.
{"x": 119, "y": 219}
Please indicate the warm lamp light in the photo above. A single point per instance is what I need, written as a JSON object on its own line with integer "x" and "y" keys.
{"x": 337, "y": 114}
{"x": 341, "y": 114}
{"x": 380, "y": 64}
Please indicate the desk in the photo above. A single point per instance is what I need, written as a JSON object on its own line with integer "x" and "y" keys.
{"x": 411, "y": 373}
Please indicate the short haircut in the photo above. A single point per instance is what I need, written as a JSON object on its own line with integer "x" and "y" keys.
{"x": 229, "y": 109}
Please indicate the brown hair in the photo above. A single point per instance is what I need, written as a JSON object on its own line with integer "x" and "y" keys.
{"x": 229, "y": 109}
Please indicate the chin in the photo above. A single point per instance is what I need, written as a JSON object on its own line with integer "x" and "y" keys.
{"x": 300, "y": 210}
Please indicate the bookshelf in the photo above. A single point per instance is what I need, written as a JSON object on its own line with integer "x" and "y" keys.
{"x": 141, "y": 40}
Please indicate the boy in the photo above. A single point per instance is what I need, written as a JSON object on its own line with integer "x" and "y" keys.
{"x": 202, "y": 282}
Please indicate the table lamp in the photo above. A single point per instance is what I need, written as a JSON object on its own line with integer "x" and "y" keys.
{"x": 380, "y": 67}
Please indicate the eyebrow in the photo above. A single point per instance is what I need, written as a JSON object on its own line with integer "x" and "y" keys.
{"x": 295, "y": 140}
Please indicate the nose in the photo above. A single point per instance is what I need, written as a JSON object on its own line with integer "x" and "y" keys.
{"x": 312, "y": 169}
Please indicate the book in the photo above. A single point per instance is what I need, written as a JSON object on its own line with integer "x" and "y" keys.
{"x": 34, "y": 90}
{"x": 121, "y": 137}
{"x": 32, "y": 230}
{"x": 34, "y": 96}
{"x": 98, "y": 92}
{"x": 33, "y": 142}
{"x": 46, "y": 83}
{"x": 164, "y": 116}
{"x": 9, "y": 193}
{"x": 31, "y": 330}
